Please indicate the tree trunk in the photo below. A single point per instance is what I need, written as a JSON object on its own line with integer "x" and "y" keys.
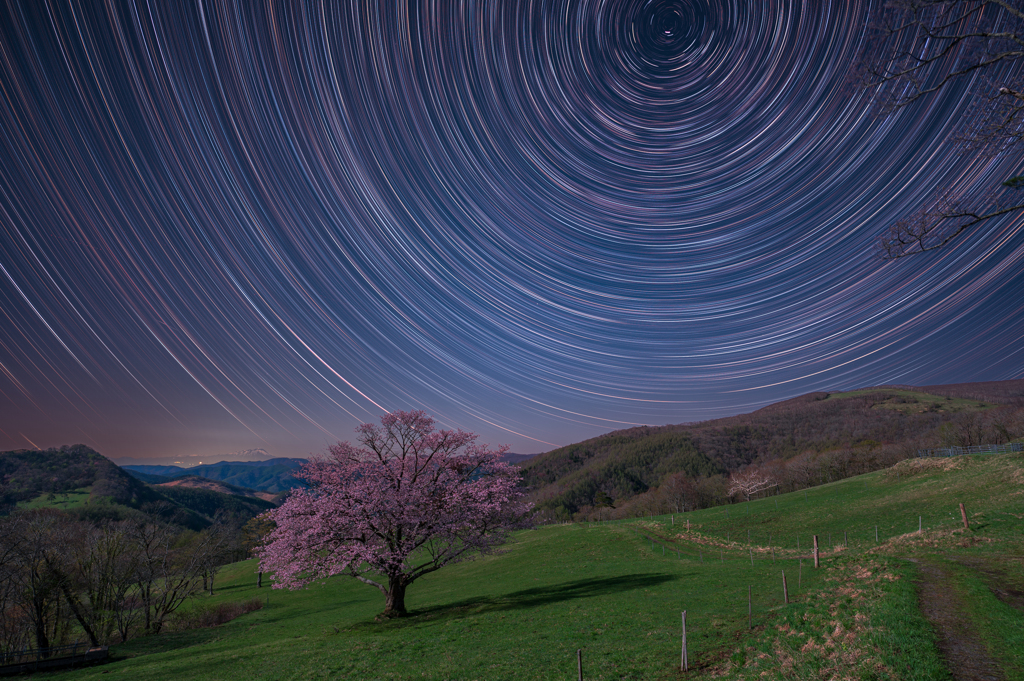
{"x": 394, "y": 600}
{"x": 76, "y": 610}
{"x": 259, "y": 579}
{"x": 147, "y": 604}
{"x": 42, "y": 642}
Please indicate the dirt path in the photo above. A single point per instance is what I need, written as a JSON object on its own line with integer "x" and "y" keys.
{"x": 961, "y": 648}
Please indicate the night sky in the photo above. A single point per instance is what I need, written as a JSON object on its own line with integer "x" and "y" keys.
{"x": 236, "y": 226}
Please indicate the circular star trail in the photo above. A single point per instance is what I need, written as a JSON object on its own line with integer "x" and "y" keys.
{"x": 237, "y": 225}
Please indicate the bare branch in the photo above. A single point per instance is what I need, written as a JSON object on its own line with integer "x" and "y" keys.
{"x": 750, "y": 482}
{"x": 933, "y": 228}
{"x": 921, "y": 47}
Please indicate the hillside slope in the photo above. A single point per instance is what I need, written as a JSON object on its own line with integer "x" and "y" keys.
{"x": 614, "y": 591}
{"x": 209, "y": 502}
{"x": 27, "y": 473}
{"x": 822, "y": 436}
{"x": 86, "y": 484}
{"x": 196, "y": 482}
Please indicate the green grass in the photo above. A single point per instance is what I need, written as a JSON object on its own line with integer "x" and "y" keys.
{"x": 606, "y": 589}
{"x": 916, "y": 493}
{"x": 63, "y": 500}
{"x": 521, "y": 615}
{"x": 999, "y": 624}
{"x": 910, "y": 401}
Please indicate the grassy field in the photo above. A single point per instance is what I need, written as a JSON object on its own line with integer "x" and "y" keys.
{"x": 62, "y": 501}
{"x": 914, "y": 402}
{"x": 915, "y": 494}
{"x": 616, "y": 591}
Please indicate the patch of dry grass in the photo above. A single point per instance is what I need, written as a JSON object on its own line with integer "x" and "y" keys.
{"x": 832, "y": 636}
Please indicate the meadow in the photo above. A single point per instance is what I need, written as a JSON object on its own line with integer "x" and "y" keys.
{"x": 616, "y": 591}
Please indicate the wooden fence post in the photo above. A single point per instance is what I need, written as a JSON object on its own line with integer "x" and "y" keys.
{"x": 579, "y": 663}
{"x": 963, "y": 514}
{"x": 684, "y": 664}
{"x": 816, "y": 563}
{"x": 785, "y": 588}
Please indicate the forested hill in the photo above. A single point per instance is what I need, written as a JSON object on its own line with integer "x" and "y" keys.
{"x": 807, "y": 440}
{"x": 84, "y": 483}
{"x": 27, "y": 474}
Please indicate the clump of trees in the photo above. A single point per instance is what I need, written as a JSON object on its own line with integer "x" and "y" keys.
{"x": 62, "y": 579}
{"x": 409, "y": 501}
{"x": 679, "y": 492}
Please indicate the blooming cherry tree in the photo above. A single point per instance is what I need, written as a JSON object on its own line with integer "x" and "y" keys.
{"x": 409, "y": 501}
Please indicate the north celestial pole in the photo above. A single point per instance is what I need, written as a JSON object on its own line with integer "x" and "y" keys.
{"x": 239, "y": 225}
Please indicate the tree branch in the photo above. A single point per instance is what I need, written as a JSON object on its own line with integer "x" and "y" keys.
{"x": 910, "y": 237}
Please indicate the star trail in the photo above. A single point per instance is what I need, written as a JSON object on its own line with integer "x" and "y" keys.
{"x": 235, "y": 225}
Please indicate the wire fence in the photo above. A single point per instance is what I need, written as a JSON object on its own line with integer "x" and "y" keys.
{"x": 29, "y": 655}
{"x": 977, "y": 449}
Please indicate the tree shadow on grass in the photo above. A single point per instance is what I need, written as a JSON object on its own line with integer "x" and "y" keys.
{"x": 530, "y": 598}
{"x": 163, "y": 642}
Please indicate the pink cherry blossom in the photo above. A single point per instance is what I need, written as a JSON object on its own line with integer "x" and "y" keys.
{"x": 409, "y": 501}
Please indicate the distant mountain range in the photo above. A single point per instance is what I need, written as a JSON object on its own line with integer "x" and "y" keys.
{"x": 516, "y": 459}
{"x": 271, "y": 475}
{"x": 190, "y": 460}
